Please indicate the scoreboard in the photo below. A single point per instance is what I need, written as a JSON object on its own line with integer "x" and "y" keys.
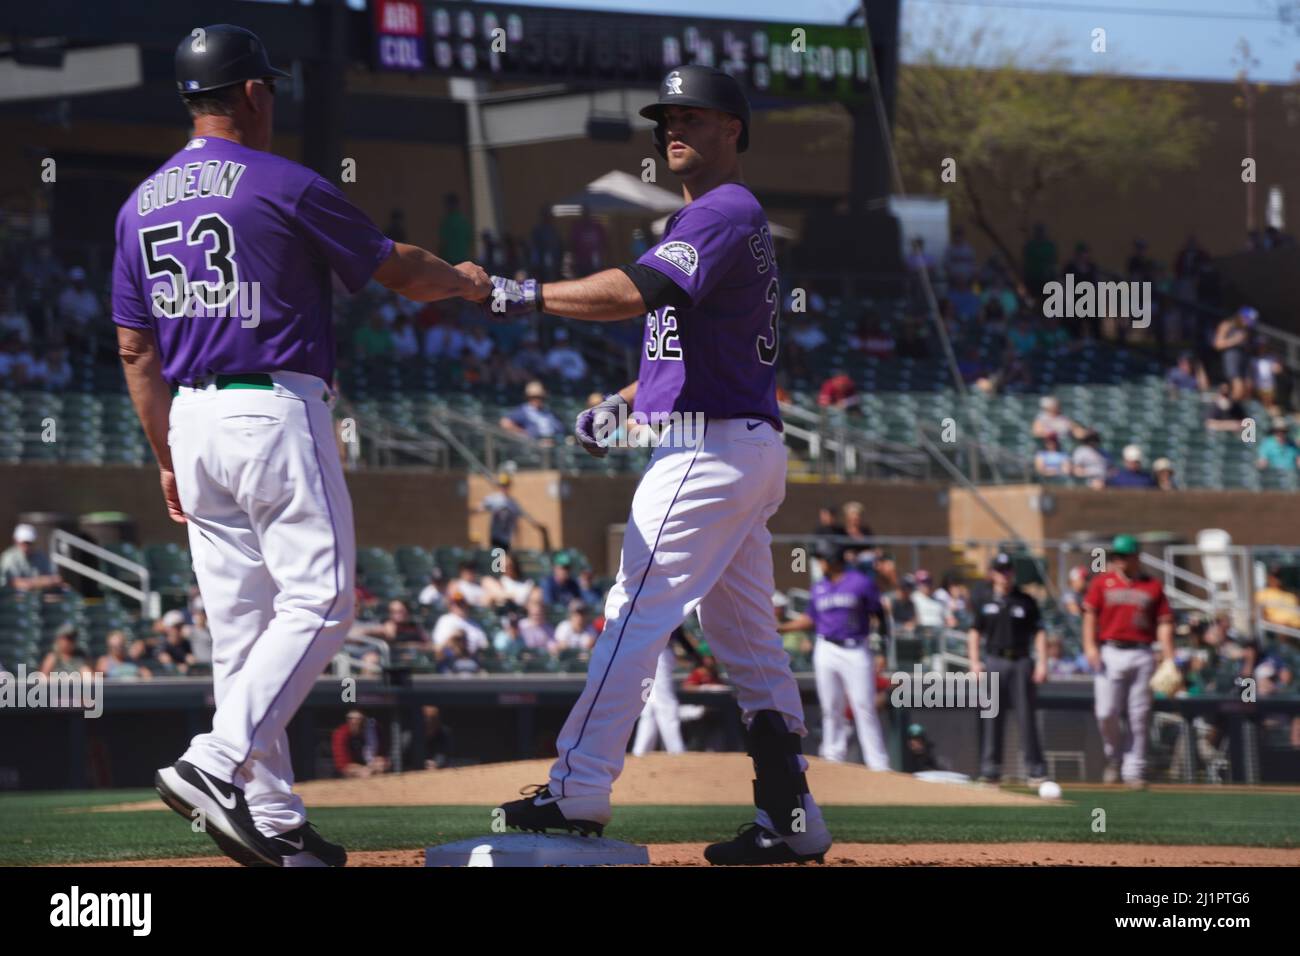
{"x": 585, "y": 48}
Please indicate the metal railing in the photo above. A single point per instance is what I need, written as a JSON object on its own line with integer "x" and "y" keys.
{"x": 64, "y": 545}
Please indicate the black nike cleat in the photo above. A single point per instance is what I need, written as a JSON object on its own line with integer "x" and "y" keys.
{"x": 755, "y": 846}
{"x": 305, "y": 847}
{"x": 187, "y": 790}
{"x": 538, "y": 812}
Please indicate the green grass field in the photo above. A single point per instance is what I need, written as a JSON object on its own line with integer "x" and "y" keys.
{"x": 44, "y": 828}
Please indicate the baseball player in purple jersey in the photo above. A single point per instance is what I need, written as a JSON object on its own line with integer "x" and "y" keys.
{"x": 840, "y": 612}
{"x": 221, "y": 295}
{"x": 697, "y": 536}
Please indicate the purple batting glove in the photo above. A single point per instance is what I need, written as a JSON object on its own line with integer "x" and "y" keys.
{"x": 598, "y": 425}
{"x": 510, "y": 298}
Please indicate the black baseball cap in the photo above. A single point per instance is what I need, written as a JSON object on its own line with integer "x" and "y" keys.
{"x": 1003, "y": 562}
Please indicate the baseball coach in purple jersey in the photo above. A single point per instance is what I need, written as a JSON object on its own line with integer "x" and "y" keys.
{"x": 221, "y": 296}
{"x": 697, "y": 536}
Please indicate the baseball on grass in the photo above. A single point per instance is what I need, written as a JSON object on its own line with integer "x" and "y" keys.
{"x": 1049, "y": 790}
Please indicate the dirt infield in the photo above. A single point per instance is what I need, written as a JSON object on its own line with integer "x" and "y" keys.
{"x": 689, "y": 779}
{"x": 901, "y": 854}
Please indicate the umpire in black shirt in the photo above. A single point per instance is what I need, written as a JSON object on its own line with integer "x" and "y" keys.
{"x": 1009, "y": 622}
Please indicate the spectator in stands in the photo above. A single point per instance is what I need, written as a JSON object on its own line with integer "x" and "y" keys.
{"x": 356, "y": 747}
{"x": 1050, "y": 461}
{"x": 1163, "y": 472}
{"x": 66, "y": 656}
{"x": 510, "y": 587}
{"x": 828, "y": 522}
{"x": 176, "y": 652}
{"x": 1039, "y": 259}
{"x": 116, "y": 664}
{"x": 1053, "y": 339}
{"x": 398, "y": 626}
{"x": 560, "y": 588}
{"x": 1276, "y": 604}
{"x": 446, "y": 341}
{"x": 78, "y": 308}
{"x": 588, "y": 242}
{"x": 546, "y": 249}
{"x": 437, "y": 738}
{"x": 1058, "y": 664}
{"x": 456, "y": 657}
{"x": 373, "y": 340}
{"x": 469, "y": 586}
{"x": 1185, "y": 376}
{"x": 200, "y": 636}
{"x": 535, "y": 630}
{"x": 504, "y": 513}
{"x": 797, "y": 643}
{"x": 1278, "y": 451}
{"x": 575, "y": 632}
{"x": 455, "y": 234}
{"x": 839, "y": 391}
{"x": 479, "y": 344}
{"x": 1076, "y": 587}
{"x": 959, "y": 262}
{"x": 457, "y": 620}
{"x": 918, "y": 258}
{"x": 24, "y": 567}
{"x": 13, "y": 319}
{"x": 528, "y": 361}
{"x": 931, "y": 612}
{"x": 564, "y": 360}
{"x": 1225, "y": 413}
{"x": 1187, "y": 267}
{"x": 1050, "y": 421}
{"x": 1269, "y": 379}
{"x": 588, "y": 592}
{"x": 533, "y": 418}
{"x": 1088, "y": 461}
{"x": 898, "y": 600}
{"x": 144, "y": 654}
{"x": 507, "y": 640}
{"x": 1141, "y": 267}
{"x": 806, "y": 334}
{"x": 706, "y": 674}
{"x": 406, "y": 344}
{"x": 1232, "y": 341}
{"x": 1132, "y": 474}
{"x": 431, "y": 594}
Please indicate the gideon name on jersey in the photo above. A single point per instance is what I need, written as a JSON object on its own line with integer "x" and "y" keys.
{"x": 192, "y": 181}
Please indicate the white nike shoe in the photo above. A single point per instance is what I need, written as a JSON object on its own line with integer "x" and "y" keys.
{"x": 195, "y": 794}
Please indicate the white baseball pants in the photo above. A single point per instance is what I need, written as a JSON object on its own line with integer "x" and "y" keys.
{"x": 1123, "y": 689}
{"x": 271, "y": 537}
{"x": 848, "y": 675}
{"x": 696, "y": 538}
{"x": 659, "y": 716}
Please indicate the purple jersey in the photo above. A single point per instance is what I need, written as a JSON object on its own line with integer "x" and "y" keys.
{"x": 226, "y": 253}
{"x": 716, "y": 357}
{"x": 840, "y": 610}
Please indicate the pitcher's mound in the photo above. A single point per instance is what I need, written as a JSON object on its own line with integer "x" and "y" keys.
{"x": 671, "y": 779}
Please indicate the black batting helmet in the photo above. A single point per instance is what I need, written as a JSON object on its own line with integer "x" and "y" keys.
{"x": 220, "y": 55}
{"x": 703, "y": 86}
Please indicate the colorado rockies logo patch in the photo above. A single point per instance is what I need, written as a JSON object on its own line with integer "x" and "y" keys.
{"x": 680, "y": 254}
{"x": 673, "y": 84}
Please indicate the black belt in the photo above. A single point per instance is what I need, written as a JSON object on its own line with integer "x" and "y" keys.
{"x": 1010, "y": 655}
{"x": 248, "y": 380}
{"x": 1128, "y": 645}
{"x": 849, "y": 642}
